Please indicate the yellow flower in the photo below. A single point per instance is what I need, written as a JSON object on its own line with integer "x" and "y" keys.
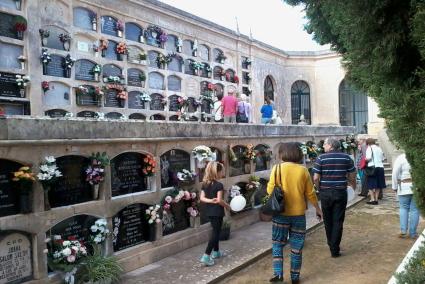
{"x": 24, "y": 168}
{"x": 18, "y": 174}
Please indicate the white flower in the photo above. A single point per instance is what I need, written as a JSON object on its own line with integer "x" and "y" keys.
{"x": 47, "y": 240}
{"x": 148, "y": 211}
{"x": 56, "y": 254}
{"x": 168, "y": 199}
{"x": 150, "y": 221}
{"x": 157, "y": 207}
{"x": 151, "y": 208}
{"x": 94, "y": 228}
{"x": 97, "y": 239}
{"x": 50, "y": 159}
{"x": 66, "y": 251}
{"x": 75, "y": 248}
{"x": 193, "y": 213}
{"x": 70, "y": 258}
{"x": 66, "y": 243}
{"x": 45, "y": 251}
{"x": 57, "y": 237}
{"x": 83, "y": 250}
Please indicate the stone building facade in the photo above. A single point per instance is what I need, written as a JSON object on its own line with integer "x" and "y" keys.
{"x": 134, "y": 120}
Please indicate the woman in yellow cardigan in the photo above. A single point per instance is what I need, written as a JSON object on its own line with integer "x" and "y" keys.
{"x": 297, "y": 186}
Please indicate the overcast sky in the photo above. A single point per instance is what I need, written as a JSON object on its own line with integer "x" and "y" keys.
{"x": 270, "y": 21}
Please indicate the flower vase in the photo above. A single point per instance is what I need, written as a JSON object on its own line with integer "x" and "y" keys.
{"x": 95, "y": 191}
{"x": 24, "y": 201}
{"x": 46, "y": 199}
{"x": 152, "y": 232}
{"x": 44, "y": 68}
{"x": 44, "y": 41}
{"x": 20, "y": 35}
{"x": 103, "y": 52}
{"x": 68, "y": 73}
{"x": 195, "y": 222}
{"x": 120, "y": 57}
{"x": 247, "y": 167}
{"x": 119, "y": 33}
{"x": 121, "y": 102}
{"x": 195, "y": 53}
{"x": 222, "y": 78}
{"x": 22, "y": 65}
{"x": 222, "y": 61}
{"x": 96, "y": 54}
{"x": 96, "y": 77}
{"x": 22, "y": 92}
{"x": 141, "y": 39}
{"x": 179, "y": 49}
{"x": 18, "y": 4}
{"x": 142, "y": 83}
{"x": 94, "y": 25}
{"x": 66, "y": 45}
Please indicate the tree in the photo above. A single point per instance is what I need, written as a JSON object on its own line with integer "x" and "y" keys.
{"x": 382, "y": 44}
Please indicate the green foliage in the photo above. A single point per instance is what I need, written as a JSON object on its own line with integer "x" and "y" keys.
{"x": 100, "y": 268}
{"x": 100, "y": 158}
{"x": 414, "y": 272}
{"x": 382, "y": 43}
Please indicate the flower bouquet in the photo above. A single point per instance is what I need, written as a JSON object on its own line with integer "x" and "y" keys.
{"x": 45, "y": 60}
{"x": 144, "y": 97}
{"x": 149, "y": 166}
{"x": 203, "y": 154}
{"x": 95, "y": 173}
{"x": 22, "y": 82}
{"x": 120, "y": 28}
{"x": 121, "y": 50}
{"x": 186, "y": 176}
{"x": 48, "y": 176}
{"x": 44, "y": 34}
{"x": 97, "y": 69}
{"x": 45, "y": 86}
{"x": 221, "y": 57}
{"x": 66, "y": 41}
{"x": 152, "y": 214}
{"x": 65, "y": 255}
{"x": 104, "y": 43}
{"x": 68, "y": 63}
{"x": 20, "y": 26}
{"x": 250, "y": 153}
{"x": 175, "y": 196}
{"x": 99, "y": 231}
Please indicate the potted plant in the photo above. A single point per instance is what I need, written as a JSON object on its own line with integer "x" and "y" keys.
{"x": 48, "y": 176}
{"x": 251, "y": 187}
{"x": 23, "y": 179}
{"x": 95, "y": 173}
{"x": 121, "y": 50}
{"x": 98, "y": 269}
{"x": 225, "y": 231}
{"x": 221, "y": 57}
{"x": 153, "y": 217}
{"x": 20, "y": 26}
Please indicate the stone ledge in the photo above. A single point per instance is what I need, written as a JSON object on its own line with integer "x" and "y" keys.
{"x": 50, "y": 129}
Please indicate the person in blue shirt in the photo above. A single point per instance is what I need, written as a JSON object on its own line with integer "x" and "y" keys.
{"x": 266, "y": 112}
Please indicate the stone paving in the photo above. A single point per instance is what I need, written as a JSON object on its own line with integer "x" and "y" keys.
{"x": 244, "y": 246}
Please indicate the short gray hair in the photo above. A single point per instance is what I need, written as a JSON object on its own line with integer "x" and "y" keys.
{"x": 335, "y": 144}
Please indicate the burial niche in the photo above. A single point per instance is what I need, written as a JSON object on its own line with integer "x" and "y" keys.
{"x": 137, "y": 116}
{"x": 72, "y": 187}
{"x": 263, "y": 157}
{"x": 11, "y": 25}
{"x": 87, "y": 114}
{"x": 15, "y": 257}
{"x": 84, "y": 70}
{"x": 239, "y": 165}
{"x": 174, "y": 104}
{"x": 10, "y": 54}
{"x": 156, "y": 81}
{"x": 57, "y": 95}
{"x": 127, "y": 173}
{"x": 133, "y": 32}
{"x": 85, "y": 19}
{"x": 53, "y": 37}
{"x": 157, "y": 116}
{"x": 8, "y": 86}
{"x": 171, "y": 44}
{"x": 108, "y": 25}
{"x": 77, "y": 226}
{"x": 111, "y": 51}
{"x": 56, "y": 113}
{"x": 172, "y": 162}
{"x": 9, "y": 195}
{"x": 136, "y": 77}
{"x": 136, "y": 100}
{"x": 174, "y": 83}
{"x": 113, "y": 115}
{"x": 56, "y": 67}
{"x": 175, "y": 219}
{"x": 157, "y": 102}
{"x": 88, "y": 95}
{"x": 130, "y": 227}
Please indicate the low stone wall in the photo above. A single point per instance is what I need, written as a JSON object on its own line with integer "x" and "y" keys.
{"x": 27, "y": 141}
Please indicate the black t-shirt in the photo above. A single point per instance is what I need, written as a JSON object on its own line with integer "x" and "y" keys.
{"x": 211, "y": 191}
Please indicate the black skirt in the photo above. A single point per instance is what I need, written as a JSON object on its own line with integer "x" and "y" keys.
{"x": 377, "y": 181}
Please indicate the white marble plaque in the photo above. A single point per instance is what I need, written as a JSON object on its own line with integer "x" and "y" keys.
{"x": 83, "y": 46}
{"x": 15, "y": 258}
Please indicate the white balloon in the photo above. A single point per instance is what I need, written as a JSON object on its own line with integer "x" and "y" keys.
{"x": 238, "y": 203}
{"x": 350, "y": 193}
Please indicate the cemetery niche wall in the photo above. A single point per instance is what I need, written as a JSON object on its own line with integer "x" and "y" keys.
{"x": 9, "y": 195}
{"x": 262, "y": 159}
{"x": 15, "y": 257}
{"x": 239, "y": 164}
{"x": 172, "y": 162}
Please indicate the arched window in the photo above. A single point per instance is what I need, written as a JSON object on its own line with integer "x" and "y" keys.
{"x": 268, "y": 88}
{"x": 353, "y": 110}
{"x": 300, "y": 102}
{"x": 171, "y": 44}
{"x": 204, "y": 52}
{"x": 174, "y": 83}
{"x": 156, "y": 81}
{"x": 187, "y": 47}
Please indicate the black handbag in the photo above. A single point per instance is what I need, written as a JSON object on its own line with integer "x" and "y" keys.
{"x": 275, "y": 205}
{"x": 370, "y": 171}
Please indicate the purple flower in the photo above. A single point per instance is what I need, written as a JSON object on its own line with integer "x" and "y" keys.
{"x": 163, "y": 37}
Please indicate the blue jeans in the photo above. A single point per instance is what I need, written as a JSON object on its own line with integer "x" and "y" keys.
{"x": 295, "y": 227}
{"x": 408, "y": 211}
{"x": 265, "y": 120}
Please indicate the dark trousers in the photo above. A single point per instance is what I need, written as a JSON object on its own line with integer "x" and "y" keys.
{"x": 334, "y": 202}
{"x": 216, "y": 223}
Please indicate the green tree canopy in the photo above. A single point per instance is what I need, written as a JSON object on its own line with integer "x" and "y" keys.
{"x": 382, "y": 44}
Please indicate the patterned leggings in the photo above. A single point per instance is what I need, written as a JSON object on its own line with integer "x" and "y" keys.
{"x": 295, "y": 226}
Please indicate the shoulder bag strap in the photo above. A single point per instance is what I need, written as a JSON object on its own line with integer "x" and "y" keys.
{"x": 276, "y": 179}
{"x": 373, "y": 159}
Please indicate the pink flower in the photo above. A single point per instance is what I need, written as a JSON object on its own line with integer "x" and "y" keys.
{"x": 187, "y": 195}
{"x": 168, "y": 199}
{"x": 189, "y": 210}
{"x": 70, "y": 258}
{"x": 158, "y": 221}
{"x": 166, "y": 206}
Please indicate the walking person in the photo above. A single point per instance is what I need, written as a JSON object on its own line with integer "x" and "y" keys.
{"x": 212, "y": 196}
{"x": 297, "y": 186}
{"x": 376, "y": 181}
{"x": 266, "y": 112}
{"x": 230, "y": 105}
{"x": 402, "y": 183}
{"x": 333, "y": 171}
{"x": 244, "y": 110}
